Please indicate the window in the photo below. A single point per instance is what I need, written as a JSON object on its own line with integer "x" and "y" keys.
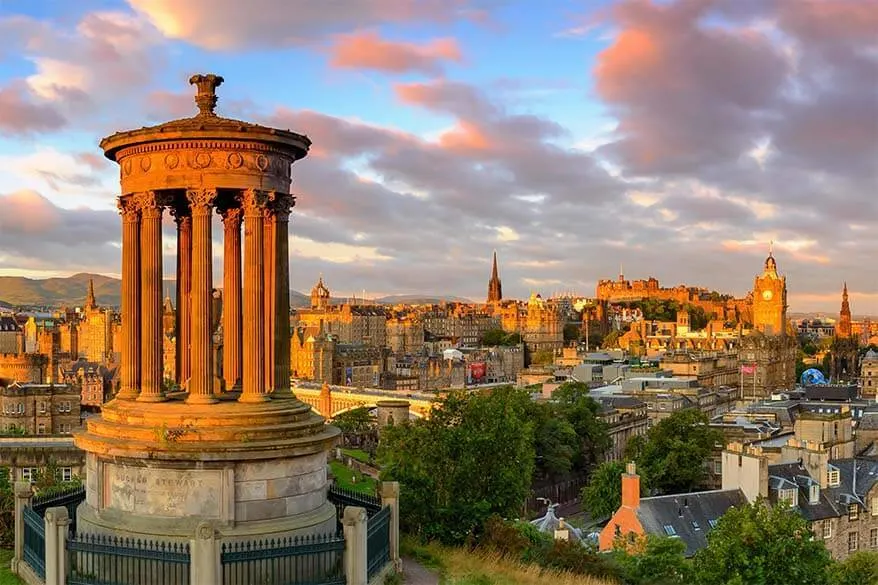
{"x": 20, "y": 408}
{"x": 789, "y": 496}
{"x": 695, "y": 525}
{"x": 814, "y": 494}
{"x": 827, "y": 529}
{"x": 873, "y": 538}
{"x": 64, "y": 428}
{"x": 717, "y": 467}
{"x": 853, "y": 541}
{"x": 833, "y": 478}
{"x": 66, "y": 474}
{"x": 669, "y": 530}
{"x": 28, "y": 474}
{"x": 42, "y": 408}
{"x": 874, "y": 506}
{"x": 853, "y": 512}
{"x": 41, "y": 429}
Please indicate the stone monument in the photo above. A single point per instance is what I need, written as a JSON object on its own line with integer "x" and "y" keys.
{"x": 239, "y": 452}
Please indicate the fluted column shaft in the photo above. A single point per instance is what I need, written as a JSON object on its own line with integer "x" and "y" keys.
{"x": 184, "y": 287}
{"x": 130, "y": 299}
{"x": 254, "y": 388}
{"x": 201, "y": 353}
{"x": 270, "y": 260}
{"x": 282, "y": 205}
{"x": 232, "y": 342}
{"x": 151, "y": 370}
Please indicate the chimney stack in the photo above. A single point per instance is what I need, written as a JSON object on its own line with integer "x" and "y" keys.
{"x": 631, "y": 487}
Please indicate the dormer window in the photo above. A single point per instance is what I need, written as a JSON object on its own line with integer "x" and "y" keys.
{"x": 814, "y": 494}
{"x": 788, "y": 496}
{"x": 833, "y": 478}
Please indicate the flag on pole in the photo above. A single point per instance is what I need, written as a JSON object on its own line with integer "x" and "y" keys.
{"x": 748, "y": 369}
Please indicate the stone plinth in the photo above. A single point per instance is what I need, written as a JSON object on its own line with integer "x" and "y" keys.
{"x": 251, "y": 469}
{"x": 392, "y": 411}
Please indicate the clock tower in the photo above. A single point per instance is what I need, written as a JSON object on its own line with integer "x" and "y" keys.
{"x": 770, "y": 300}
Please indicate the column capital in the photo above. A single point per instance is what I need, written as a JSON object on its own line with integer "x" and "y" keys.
{"x": 128, "y": 208}
{"x": 201, "y": 200}
{"x": 150, "y": 203}
{"x": 254, "y": 202}
{"x": 231, "y": 214}
{"x": 181, "y": 213}
{"x": 281, "y": 205}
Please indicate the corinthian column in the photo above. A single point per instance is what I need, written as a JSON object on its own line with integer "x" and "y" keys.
{"x": 201, "y": 355}
{"x": 254, "y": 389}
{"x": 130, "y": 298}
{"x": 269, "y": 260}
{"x": 151, "y": 370}
{"x": 282, "y": 205}
{"x": 184, "y": 287}
{"x": 232, "y": 345}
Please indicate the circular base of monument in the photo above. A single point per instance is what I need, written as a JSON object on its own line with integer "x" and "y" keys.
{"x": 320, "y": 521}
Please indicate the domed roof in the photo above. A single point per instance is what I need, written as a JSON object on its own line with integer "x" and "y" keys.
{"x": 207, "y": 125}
{"x": 872, "y": 354}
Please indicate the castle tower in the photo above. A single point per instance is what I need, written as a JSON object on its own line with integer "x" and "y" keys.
{"x": 160, "y": 464}
{"x": 770, "y": 300}
{"x": 495, "y": 289}
{"x": 843, "y": 328}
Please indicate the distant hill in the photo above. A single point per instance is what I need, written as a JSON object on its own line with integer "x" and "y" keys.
{"x": 71, "y": 291}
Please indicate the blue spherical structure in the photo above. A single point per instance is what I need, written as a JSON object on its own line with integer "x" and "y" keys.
{"x": 813, "y": 377}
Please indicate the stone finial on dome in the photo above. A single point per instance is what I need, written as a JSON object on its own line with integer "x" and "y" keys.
{"x": 206, "y": 98}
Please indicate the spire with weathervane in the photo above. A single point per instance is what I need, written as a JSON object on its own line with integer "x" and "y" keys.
{"x": 495, "y": 289}
{"x": 90, "y": 302}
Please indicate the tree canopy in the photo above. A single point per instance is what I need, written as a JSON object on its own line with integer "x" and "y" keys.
{"x": 495, "y": 337}
{"x": 472, "y": 458}
{"x": 857, "y": 569}
{"x": 760, "y": 545}
{"x": 574, "y": 404}
{"x": 556, "y": 443}
{"x": 673, "y": 453}
{"x": 603, "y": 494}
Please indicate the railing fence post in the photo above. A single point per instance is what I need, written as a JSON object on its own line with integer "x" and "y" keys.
{"x": 23, "y": 496}
{"x": 57, "y": 521}
{"x": 390, "y": 497}
{"x": 355, "y": 535}
{"x": 204, "y": 560}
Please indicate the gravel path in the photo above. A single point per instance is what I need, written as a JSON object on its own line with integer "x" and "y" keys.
{"x": 416, "y": 574}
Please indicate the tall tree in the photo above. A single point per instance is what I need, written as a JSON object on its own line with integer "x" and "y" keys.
{"x": 761, "y": 545}
{"x": 603, "y": 494}
{"x": 673, "y": 453}
{"x": 583, "y": 413}
{"x": 472, "y": 458}
{"x": 555, "y": 441}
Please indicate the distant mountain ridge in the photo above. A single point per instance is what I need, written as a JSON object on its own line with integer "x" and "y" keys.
{"x": 70, "y": 291}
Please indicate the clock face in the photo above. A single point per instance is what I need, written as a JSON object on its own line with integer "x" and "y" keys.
{"x": 766, "y": 294}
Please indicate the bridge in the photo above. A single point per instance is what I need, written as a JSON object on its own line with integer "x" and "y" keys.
{"x": 330, "y": 401}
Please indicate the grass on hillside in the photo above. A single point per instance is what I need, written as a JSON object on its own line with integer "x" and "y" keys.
{"x": 458, "y": 566}
{"x": 357, "y": 454}
{"x": 6, "y": 576}
{"x": 344, "y": 478}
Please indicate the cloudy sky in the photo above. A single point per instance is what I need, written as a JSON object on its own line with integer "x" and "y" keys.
{"x": 672, "y": 138}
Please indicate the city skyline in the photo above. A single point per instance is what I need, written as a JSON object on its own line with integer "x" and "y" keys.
{"x": 674, "y": 138}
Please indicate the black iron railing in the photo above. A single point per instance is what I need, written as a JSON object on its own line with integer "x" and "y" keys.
{"x": 95, "y": 559}
{"x": 341, "y": 497}
{"x": 378, "y": 541}
{"x": 311, "y": 560}
{"x": 69, "y": 499}
{"x": 35, "y": 541}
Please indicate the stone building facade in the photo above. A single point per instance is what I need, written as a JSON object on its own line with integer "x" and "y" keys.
{"x": 405, "y": 334}
{"x": 39, "y": 409}
{"x": 711, "y": 369}
{"x": 11, "y": 335}
{"x": 29, "y": 368}
{"x": 869, "y": 374}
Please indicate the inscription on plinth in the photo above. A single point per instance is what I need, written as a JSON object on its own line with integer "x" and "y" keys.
{"x": 164, "y": 492}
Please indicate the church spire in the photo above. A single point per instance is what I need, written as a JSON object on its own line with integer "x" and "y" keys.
{"x": 843, "y": 328}
{"x": 495, "y": 289}
{"x": 90, "y": 302}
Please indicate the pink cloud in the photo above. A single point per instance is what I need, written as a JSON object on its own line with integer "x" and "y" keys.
{"x": 367, "y": 50}
{"x": 19, "y": 114}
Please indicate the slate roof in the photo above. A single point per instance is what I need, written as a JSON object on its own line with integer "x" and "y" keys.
{"x": 9, "y": 324}
{"x": 795, "y": 475}
{"x": 856, "y": 485}
{"x": 687, "y": 516}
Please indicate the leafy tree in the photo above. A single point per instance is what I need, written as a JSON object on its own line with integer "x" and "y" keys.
{"x": 572, "y": 332}
{"x": 7, "y": 508}
{"x": 673, "y": 453}
{"x": 48, "y": 479}
{"x": 761, "y": 545}
{"x": 583, "y": 413}
{"x": 611, "y": 339}
{"x": 858, "y": 569}
{"x": 493, "y": 337}
{"x": 698, "y": 317}
{"x": 542, "y": 357}
{"x": 555, "y": 440}
{"x": 472, "y": 458}
{"x": 356, "y": 421}
{"x": 603, "y": 494}
{"x": 659, "y": 562}
{"x": 809, "y": 349}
